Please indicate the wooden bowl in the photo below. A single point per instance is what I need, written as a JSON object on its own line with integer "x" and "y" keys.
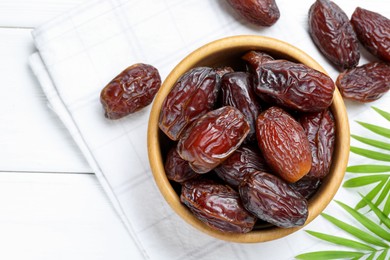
{"x": 227, "y": 51}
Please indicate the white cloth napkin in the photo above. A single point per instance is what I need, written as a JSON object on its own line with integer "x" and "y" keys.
{"x": 82, "y": 50}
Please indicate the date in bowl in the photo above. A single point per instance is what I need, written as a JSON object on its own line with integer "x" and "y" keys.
{"x": 228, "y": 52}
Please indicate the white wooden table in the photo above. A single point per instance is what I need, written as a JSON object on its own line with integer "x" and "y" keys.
{"x": 51, "y": 204}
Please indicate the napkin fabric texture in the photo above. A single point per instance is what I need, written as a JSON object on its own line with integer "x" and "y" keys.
{"x": 82, "y": 50}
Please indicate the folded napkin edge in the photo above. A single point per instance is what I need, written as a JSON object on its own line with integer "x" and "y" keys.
{"x": 55, "y": 103}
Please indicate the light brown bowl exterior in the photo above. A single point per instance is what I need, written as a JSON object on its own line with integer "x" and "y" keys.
{"x": 220, "y": 52}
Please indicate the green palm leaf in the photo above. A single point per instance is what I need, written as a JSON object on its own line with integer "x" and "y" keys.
{"x": 341, "y": 241}
{"x": 383, "y": 255}
{"x": 373, "y": 238}
{"x": 385, "y": 220}
{"x": 384, "y": 193}
{"x": 382, "y": 113}
{"x": 386, "y": 208}
{"x": 376, "y": 129}
{"x": 365, "y": 180}
{"x": 371, "y": 256}
{"x": 325, "y": 255}
{"x": 372, "y": 142}
{"x": 356, "y": 232}
{"x": 368, "y": 168}
{"x": 369, "y": 224}
{"x": 371, "y": 154}
{"x": 371, "y": 195}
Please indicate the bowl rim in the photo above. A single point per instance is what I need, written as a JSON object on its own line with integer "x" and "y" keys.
{"x": 267, "y": 44}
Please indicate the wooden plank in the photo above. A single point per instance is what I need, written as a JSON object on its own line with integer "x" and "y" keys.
{"x": 31, "y": 13}
{"x": 25, "y": 13}
{"x": 59, "y": 216}
{"x": 32, "y": 138}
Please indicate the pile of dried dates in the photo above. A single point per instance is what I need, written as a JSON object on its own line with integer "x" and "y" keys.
{"x": 334, "y": 34}
{"x": 338, "y": 39}
{"x": 250, "y": 144}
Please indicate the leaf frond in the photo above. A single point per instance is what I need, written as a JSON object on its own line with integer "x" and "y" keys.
{"x": 371, "y": 256}
{"x": 372, "y": 142}
{"x": 383, "y": 113}
{"x": 365, "y": 180}
{"x": 371, "y": 195}
{"x": 383, "y": 255}
{"x": 376, "y": 129}
{"x": 371, "y": 154}
{"x": 384, "y": 193}
{"x": 386, "y": 208}
{"x": 325, "y": 255}
{"x": 366, "y": 222}
{"x": 368, "y": 168}
{"x": 356, "y": 232}
{"x": 383, "y": 218}
{"x": 341, "y": 241}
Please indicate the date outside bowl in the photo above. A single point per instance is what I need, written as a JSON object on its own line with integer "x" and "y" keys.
{"x": 226, "y": 52}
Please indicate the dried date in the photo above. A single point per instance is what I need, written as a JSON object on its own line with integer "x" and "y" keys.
{"x": 306, "y": 186}
{"x": 223, "y": 70}
{"x": 217, "y": 205}
{"x": 133, "y": 89}
{"x": 255, "y": 58}
{"x": 237, "y": 91}
{"x": 271, "y": 199}
{"x": 176, "y": 168}
{"x": 365, "y": 83}
{"x": 373, "y": 31}
{"x": 212, "y": 138}
{"x": 331, "y": 31}
{"x": 258, "y": 12}
{"x": 284, "y": 144}
{"x": 294, "y": 86}
{"x": 320, "y": 130}
{"x": 245, "y": 160}
{"x": 192, "y": 96}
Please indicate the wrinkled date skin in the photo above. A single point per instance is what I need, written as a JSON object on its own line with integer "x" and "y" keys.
{"x": 331, "y": 31}
{"x": 306, "y": 186}
{"x": 212, "y": 138}
{"x": 320, "y": 130}
{"x": 176, "y": 168}
{"x": 133, "y": 89}
{"x": 217, "y": 205}
{"x": 255, "y": 58}
{"x": 258, "y": 12}
{"x": 373, "y": 31}
{"x": 223, "y": 70}
{"x": 284, "y": 144}
{"x": 237, "y": 91}
{"x": 192, "y": 96}
{"x": 365, "y": 83}
{"x": 271, "y": 199}
{"x": 245, "y": 160}
{"x": 294, "y": 86}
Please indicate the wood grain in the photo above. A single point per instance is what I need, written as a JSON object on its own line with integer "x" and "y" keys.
{"x": 59, "y": 216}
{"x": 29, "y": 14}
{"x": 47, "y": 215}
{"x": 32, "y": 137}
